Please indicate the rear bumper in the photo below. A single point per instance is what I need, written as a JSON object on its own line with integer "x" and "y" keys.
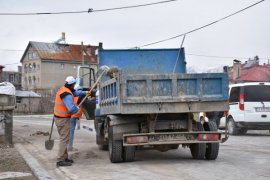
{"x": 254, "y": 125}
{"x": 171, "y": 138}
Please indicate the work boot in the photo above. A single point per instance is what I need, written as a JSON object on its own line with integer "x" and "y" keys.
{"x": 69, "y": 160}
{"x": 63, "y": 163}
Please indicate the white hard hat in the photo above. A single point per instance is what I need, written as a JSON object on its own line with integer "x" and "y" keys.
{"x": 70, "y": 80}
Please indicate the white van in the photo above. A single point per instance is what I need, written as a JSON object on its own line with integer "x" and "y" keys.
{"x": 249, "y": 108}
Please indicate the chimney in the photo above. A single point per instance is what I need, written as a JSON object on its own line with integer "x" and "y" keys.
{"x": 236, "y": 69}
{"x": 100, "y": 45}
{"x": 63, "y": 36}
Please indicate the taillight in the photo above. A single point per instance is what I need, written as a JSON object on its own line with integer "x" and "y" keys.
{"x": 241, "y": 102}
{"x": 137, "y": 139}
{"x": 208, "y": 137}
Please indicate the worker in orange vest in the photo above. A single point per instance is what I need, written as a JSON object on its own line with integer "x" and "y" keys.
{"x": 64, "y": 108}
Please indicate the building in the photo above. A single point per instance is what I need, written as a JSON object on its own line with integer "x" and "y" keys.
{"x": 46, "y": 65}
{"x": 11, "y": 76}
{"x": 28, "y": 102}
{"x": 249, "y": 72}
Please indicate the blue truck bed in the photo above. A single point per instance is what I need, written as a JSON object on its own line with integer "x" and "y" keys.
{"x": 167, "y": 93}
{"x": 146, "y": 84}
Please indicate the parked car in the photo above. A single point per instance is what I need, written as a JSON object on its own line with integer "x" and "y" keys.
{"x": 249, "y": 108}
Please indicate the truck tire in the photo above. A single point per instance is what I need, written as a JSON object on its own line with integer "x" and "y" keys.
{"x": 129, "y": 153}
{"x": 198, "y": 150}
{"x": 242, "y": 131}
{"x": 100, "y": 140}
{"x": 212, "y": 149}
{"x": 215, "y": 120}
{"x": 232, "y": 127}
{"x": 115, "y": 148}
{"x": 103, "y": 147}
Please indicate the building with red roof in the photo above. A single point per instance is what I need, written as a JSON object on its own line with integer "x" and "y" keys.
{"x": 46, "y": 65}
{"x": 249, "y": 72}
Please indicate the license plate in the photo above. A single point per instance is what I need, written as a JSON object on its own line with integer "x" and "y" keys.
{"x": 262, "y": 109}
{"x": 168, "y": 137}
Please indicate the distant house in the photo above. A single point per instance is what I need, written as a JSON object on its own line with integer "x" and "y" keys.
{"x": 46, "y": 65}
{"x": 249, "y": 72}
{"x": 28, "y": 102}
{"x": 11, "y": 76}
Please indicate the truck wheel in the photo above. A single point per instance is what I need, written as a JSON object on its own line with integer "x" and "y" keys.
{"x": 232, "y": 127}
{"x": 216, "y": 120}
{"x": 243, "y": 131}
{"x": 129, "y": 153}
{"x": 103, "y": 147}
{"x": 211, "y": 148}
{"x": 115, "y": 148}
{"x": 198, "y": 150}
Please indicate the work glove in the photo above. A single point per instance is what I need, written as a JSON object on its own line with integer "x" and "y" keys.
{"x": 88, "y": 93}
{"x": 91, "y": 93}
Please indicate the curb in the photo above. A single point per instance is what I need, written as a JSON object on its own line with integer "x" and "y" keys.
{"x": 35, "y": 167}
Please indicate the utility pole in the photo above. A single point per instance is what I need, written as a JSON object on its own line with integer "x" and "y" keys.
{"x": 82, "y": 53}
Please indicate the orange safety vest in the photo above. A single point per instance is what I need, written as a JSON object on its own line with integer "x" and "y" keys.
{"x": 79, "y": 113}
{"x": 60, "y": 109}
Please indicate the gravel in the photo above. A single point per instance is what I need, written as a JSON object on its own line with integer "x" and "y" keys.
{"x": 11, "y": 161}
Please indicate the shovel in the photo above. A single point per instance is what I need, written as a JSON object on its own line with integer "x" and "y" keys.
{"x": 50, "y": 142}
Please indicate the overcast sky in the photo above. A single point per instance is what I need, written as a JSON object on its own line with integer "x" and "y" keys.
{"x": 242, "y": 36}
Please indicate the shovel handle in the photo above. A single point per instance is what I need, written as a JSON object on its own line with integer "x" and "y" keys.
{"x": 94, "y": 85}
{"x": 51, "y": 130}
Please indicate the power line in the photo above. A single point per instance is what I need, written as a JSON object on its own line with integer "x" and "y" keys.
{"x": 199, "y": 28}
{"x": 11, "y": 64}
{"x": 90, "y": 10}
{"x": 11, "y": 50}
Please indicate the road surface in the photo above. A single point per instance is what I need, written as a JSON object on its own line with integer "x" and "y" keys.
{"x": 241, "y": 157}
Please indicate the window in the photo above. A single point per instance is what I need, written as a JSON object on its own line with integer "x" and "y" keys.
{"x": 34, "y": 67}
{"x": 30, "y": 68}
{"x": 11, "y": 78}
{"x": 30, "y": 55}
{"x": 34, "y": 55}
{"x": 62, "y": 66}
{"x": 30, "y": 81}
{"x": 262, "y": 93}
{"x": 25, "y": 80}
{"x": 18, "y": 99}
{"x": 25, "y": 68}
{"x": 234, "y": 94}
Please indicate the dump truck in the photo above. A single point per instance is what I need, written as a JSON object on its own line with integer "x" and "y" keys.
{"x": 7, "y": 105}
{"x": 150, "y": 102}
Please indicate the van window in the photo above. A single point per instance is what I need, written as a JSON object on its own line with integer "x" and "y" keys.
{"x": 234, "y": 94}
{"x": 257, "y": 93}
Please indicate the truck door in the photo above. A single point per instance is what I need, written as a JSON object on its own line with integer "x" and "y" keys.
{"x": 86, "y": 78}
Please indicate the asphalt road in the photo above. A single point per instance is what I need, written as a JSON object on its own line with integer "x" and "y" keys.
{"x": 241, "y": 157}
